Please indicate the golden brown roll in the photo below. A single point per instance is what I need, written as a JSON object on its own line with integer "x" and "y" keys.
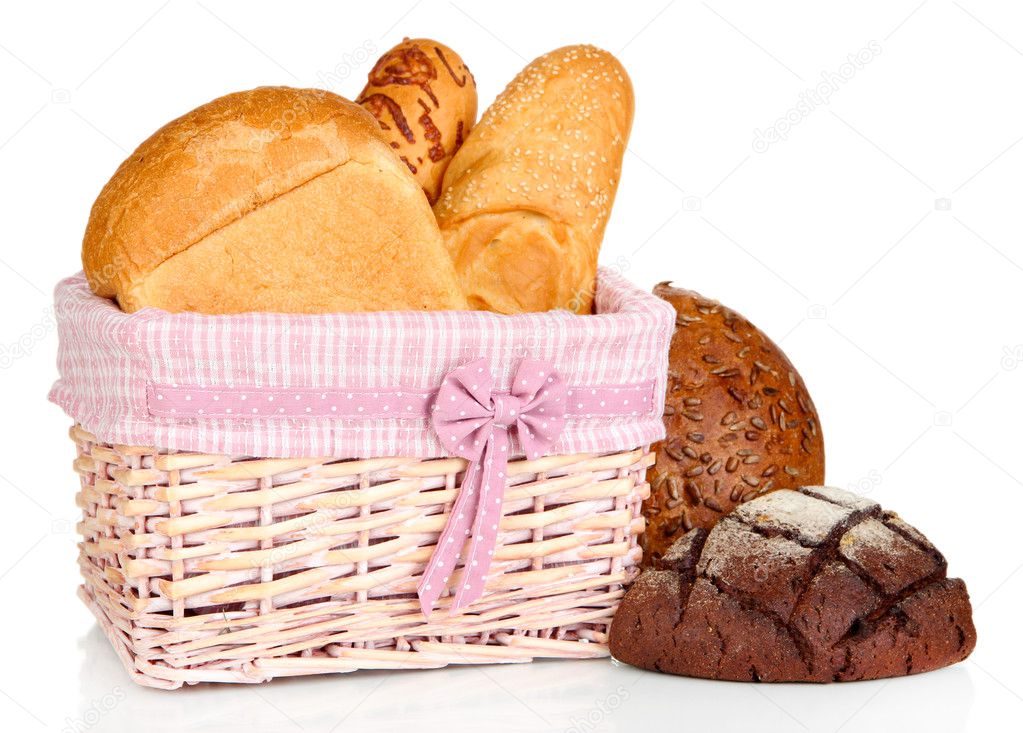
{"x": 273, "y": 199}
{"x": 424, "y": 97}
{"x": 526, "y": 199}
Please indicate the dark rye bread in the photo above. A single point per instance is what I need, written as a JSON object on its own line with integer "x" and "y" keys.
{"x": 739, "y": 421}
{"x": 814, "y": 585}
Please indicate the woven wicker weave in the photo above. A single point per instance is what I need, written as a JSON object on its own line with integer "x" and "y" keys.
{"x": 205, "y": 568}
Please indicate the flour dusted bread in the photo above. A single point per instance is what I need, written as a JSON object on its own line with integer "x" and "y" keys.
{"x": 528, "y": 195}
{"x": 424, "y": 97}
{"x": 813, "y": 585}
{"x": 273, "y": 199}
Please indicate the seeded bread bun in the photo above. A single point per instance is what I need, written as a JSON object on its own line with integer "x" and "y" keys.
{"x": 739, "y": 420}
{"x": 274, "y": 199}
{"x": 815, "y": 585}
{"x": 424, "y": 97}
{"x": 527, "y": 197}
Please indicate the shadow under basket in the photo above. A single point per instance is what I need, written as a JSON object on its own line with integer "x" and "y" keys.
{"x": 213, "y": 568}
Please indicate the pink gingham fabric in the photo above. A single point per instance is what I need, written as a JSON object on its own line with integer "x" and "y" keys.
{"x": 190, "y": 382}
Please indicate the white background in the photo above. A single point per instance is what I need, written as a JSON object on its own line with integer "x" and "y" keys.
{"x": 879, "y": 243}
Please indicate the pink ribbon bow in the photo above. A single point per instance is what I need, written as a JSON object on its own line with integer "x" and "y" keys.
{"x": 474, "y": 422}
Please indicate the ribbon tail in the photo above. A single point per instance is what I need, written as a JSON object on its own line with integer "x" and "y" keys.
{"x": 488, "y": 518}
{"x": 451, "y": 541}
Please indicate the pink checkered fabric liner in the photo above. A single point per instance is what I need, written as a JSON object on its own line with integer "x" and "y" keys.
{"x": 278, "y": 385}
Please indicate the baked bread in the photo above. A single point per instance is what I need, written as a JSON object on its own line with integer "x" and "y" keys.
{"x": 274, "y": 199}
{"x": 424, "y": 97}
{"x": 739, "y": 422}
{"x": 815, "y": 585}
{"x": 527, "y": 197}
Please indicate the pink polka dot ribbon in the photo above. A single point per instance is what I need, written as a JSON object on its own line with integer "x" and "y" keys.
{"x": 474, "y": 422}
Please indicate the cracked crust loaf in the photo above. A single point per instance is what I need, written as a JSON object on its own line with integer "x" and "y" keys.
{"x": 739, "y": 422}
{"x": 424, "y": 97}
{"x": 526, "y": 199}
{"x": 274, "y": 199}
{"x": 814, "y": 585}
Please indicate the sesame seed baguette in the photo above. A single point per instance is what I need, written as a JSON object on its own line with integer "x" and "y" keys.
{"x": 526, "y": 199}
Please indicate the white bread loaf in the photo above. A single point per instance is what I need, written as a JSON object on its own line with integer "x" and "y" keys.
{"x": 274, "y": 199}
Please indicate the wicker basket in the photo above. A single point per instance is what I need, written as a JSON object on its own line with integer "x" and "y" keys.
{"x": 203, "y": 568}
{"x": 224, "y": 555}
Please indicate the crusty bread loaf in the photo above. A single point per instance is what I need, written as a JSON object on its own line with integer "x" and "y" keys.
{"x": 815, "y": 585}
{"x": 526, "y": 199}
{"x": 424, "y": 97}
{"x": 274, "y": 199}
{"x": 740, "y": 422}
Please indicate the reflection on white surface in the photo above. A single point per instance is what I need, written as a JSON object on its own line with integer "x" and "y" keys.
{"x": 571, "y": 696}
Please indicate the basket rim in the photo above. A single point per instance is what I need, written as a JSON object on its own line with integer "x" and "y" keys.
{"x": 631, "y": 300}
{"x": 109, "y": 362}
